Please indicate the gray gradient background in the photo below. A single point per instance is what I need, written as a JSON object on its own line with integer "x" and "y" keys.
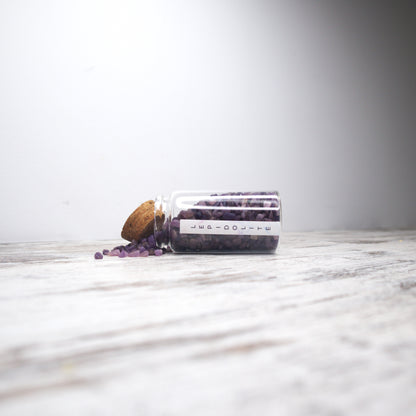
{"x": 104, "y": 104}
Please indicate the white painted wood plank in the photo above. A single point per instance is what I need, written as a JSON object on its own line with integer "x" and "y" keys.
{"x": 327, "y": 325}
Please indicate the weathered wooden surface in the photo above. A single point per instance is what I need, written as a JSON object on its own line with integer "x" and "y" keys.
{"x": 326, "y": 326}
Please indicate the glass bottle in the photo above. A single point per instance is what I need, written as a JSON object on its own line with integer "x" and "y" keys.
{"x": 225, "y": 222}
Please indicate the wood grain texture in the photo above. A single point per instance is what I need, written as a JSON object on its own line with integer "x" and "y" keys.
{"x": 325, "y": 326}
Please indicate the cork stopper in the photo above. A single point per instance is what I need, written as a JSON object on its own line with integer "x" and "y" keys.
{"x": 140, "y": 223}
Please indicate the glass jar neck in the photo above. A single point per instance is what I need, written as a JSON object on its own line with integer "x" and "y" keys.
{"x": 162, "y": 218}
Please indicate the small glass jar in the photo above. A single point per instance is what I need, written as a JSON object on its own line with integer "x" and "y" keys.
{"x": 225, "y": 222}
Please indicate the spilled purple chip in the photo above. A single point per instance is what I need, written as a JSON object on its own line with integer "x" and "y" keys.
{"x": 143, "y": 248}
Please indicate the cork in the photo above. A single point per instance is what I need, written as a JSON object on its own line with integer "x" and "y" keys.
{"x": 140, "y": 223}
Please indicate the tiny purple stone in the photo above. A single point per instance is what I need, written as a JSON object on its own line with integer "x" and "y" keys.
{"x": 229, "y": 216}
{"x": 114, "y": 252}
{"x": 151, "y": 240}
{"x": 144, "y": 253}
{"x": 158, "y": 252}
{"x": 175, "y": 223}
{"x": 105, "y": 252}
{"x": 98, "y": 255}
{"x": 135, "y": 253}
{"x": 123, "y": 253}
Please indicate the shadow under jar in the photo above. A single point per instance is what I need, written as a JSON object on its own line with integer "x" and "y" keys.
{"x": 207, "y": 222}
